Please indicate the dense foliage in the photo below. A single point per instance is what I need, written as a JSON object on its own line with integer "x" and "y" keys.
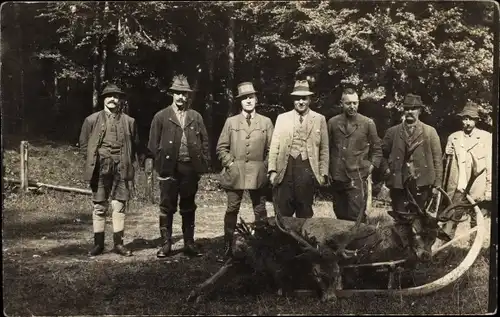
{"x": 56, "y": 57}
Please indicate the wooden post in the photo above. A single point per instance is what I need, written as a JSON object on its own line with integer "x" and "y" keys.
{"x": 24, "y": 166}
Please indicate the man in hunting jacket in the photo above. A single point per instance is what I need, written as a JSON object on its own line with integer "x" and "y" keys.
{"x": 425, "y": 163}
{"x": 178, "y": 141}
{"x": 243, "y": 147}
{"x": 298, "y": 155}
{"x": 354, "y": 153}
{"x": 110, "y": 141}
{"x": 462, "y": 147}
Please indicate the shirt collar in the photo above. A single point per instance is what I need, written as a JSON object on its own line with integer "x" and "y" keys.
{"x": 252, "y": 114}
{"x": 297, "y": 115}
{"x": 109, "y": 113}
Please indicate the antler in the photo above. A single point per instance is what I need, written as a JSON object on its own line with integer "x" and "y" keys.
{"x": 473, "y": 176}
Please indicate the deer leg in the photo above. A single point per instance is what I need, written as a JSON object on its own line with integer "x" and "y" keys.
{"x": 206, "y": 287}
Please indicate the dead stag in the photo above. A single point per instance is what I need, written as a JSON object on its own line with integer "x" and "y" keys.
{"x": 286, "y": 248}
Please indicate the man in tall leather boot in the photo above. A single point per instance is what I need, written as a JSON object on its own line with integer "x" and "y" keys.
{"x": 243, "y": 147}
{"x": 110, "y": 140}
{"x": 178, "y": 141}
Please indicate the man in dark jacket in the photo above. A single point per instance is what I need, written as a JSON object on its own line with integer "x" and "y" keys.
{"x": 109, "y": 138}
{"x": 425, "y": 164}
{"x": 354, "y": 153}
{"x": 178, "y": 141}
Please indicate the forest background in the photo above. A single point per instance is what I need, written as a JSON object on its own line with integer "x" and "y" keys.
{"x": 56, "y": 57}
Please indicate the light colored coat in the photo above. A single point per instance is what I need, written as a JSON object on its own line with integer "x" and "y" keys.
{"x": 246, "y": 147}
{"x": 481, "y": 148}
{"x": 316, "y": 142}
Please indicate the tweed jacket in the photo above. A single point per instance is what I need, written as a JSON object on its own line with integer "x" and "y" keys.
{"x": 92, "y": 132}
{"x": 459, "y": 172}
{"x": 243, "y": 151}
{"x": 316, "y": 143}
{"x": 427, "y": 158}
{"x": 165, "y": 137}
{"x": 352, "y": 153}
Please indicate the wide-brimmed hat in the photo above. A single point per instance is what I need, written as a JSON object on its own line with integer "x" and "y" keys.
{"x": 412, "y": 101}
{"x": 245, "y": 88}
{"x": 112, "y": 89}
{"x": 180, "y": 83}
{"x": 470, "y": 109}
{"x": 301, "y": 88}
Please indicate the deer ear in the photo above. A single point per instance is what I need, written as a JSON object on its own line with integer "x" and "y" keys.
{"x": 443, "y": 235}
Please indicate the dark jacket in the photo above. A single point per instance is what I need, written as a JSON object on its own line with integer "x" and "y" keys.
{"x": 94, "y": 127}
{"x": 351, "y": 154}
{"x": 165, "y": 140}
{"x": 427, "y": 158}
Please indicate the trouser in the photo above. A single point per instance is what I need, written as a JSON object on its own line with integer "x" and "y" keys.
{"x": 399, "y": 198}
{"x": 349, "y": 199}
{"x": 295, "y": 194}
{"x": 180, "y": 190}
{"x": 103, "y": 188}
{"x": 234, "y": 196}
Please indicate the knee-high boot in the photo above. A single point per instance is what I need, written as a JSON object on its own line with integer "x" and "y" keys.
{"x": 230, "y": 220}
{"x": 190, "y": 247}
{"x": 166, "y": 235}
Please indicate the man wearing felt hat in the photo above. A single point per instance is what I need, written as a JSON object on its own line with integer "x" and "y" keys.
{"x": 298, "y": 156}
{"x": 426, "y": 159}
{"x": 462, "y": 147}
{"x": 110, "y": 140}
{"x": 178, "y": 141}
{"x": 243, "y": 148}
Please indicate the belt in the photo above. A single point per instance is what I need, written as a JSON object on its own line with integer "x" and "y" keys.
{"x": 185, "y": 160}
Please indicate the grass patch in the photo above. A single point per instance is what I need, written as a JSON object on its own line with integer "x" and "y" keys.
{"x": 46, "y": 235}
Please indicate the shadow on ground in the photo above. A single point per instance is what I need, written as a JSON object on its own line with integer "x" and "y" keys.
{"x": 113, "y": 285}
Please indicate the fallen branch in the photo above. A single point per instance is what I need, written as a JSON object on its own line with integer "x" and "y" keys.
{"x": 55, "y": 187}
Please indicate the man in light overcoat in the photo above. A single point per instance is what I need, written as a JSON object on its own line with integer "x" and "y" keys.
{"x": 354, "y": 152}
{"x": 298, "y": 156}
{"x": 426, "y": 161}
{"x": 462, "y": 147}
{"x": 178, "y": 141}
{"x": 242, "y": 148}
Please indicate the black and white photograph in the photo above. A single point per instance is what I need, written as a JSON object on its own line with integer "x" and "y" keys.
{"x": 166, "y": 158}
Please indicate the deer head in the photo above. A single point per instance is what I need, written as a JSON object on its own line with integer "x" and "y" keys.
{"x": 424, "y": 227}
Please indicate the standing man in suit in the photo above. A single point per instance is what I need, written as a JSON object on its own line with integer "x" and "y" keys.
{"x": 243, "y": 147}
{"x": 354, "y": 152}
{"x": 298, "y": 156}
{"x": 425, "y": 162}
{"x": 462, "y": 147}
{"x": 110, "y": 141}
{"x": 179, "y": 142}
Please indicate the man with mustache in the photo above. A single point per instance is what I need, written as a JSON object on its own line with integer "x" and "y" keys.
{"x": 298, "y": 156}
{"x": 110, "y": 140}
{"x": 354, "y": 153}
{"x": 462, "y": 146}
{"x": 178, "y": 141}
{"x": 425, "y": 164}
{"x": 243, "y": 147}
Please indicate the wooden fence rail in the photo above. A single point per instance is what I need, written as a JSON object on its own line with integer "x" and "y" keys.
{"x": 23, "y": 176}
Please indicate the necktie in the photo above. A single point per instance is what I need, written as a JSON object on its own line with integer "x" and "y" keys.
{"x": 301, "y": 118}
{"x": 248, "y": 119}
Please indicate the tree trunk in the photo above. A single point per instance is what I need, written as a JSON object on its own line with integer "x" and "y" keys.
{"x": 21, "y": 111}
{"x": 210, "y": 98}
{"x": 230, "y": 75}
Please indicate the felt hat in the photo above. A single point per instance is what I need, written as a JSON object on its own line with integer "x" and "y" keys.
{"x": 301, "y": 88}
